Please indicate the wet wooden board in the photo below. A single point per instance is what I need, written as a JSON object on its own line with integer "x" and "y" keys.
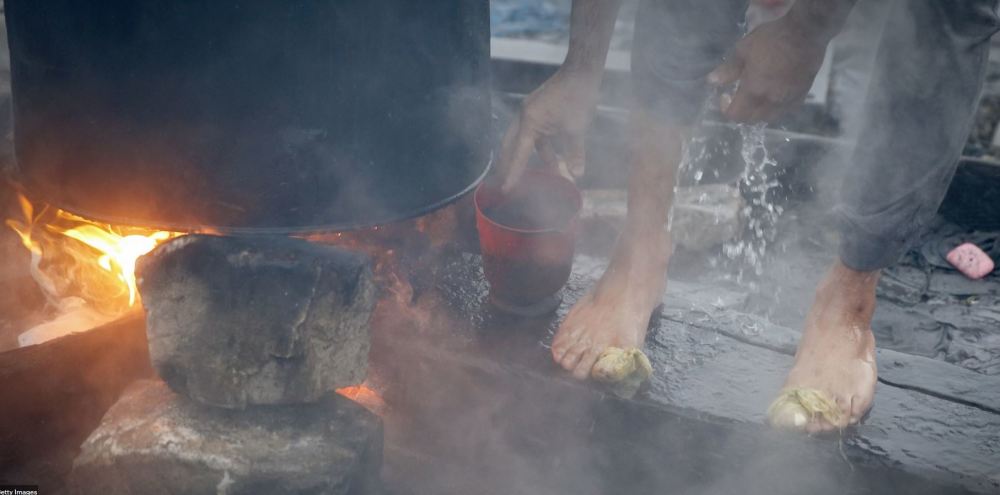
{"x": 714, "y": 308}
{"x": 700, "y": 425}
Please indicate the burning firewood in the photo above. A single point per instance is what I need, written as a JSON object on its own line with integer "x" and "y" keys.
{"x": 84, "y": 269}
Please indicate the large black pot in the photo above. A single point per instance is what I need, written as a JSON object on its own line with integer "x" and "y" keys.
{"x": 250, "y": 115}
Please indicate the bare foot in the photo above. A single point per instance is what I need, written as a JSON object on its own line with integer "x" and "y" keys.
{"x": 616, "y": 311}
{"x": 837, "y": 352}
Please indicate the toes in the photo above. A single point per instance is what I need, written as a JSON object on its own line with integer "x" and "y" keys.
{"x": 813, "y": 427}
{"x": 559, "y": 349}
{"x": 564, "y": 341}
{"x": 572, "y": 357}
{"x": 819, "y": 426}
{"x": 859, "y": 408}
{"x": 582, "y": 370}
{"x": 846, "y": 418}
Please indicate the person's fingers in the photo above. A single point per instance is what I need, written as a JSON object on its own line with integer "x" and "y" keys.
{"x": 725, "y": 99}
{"x": 729, "y": 71}
{"x": 739, "y": 107}
{"x": 506, "y": 147}
{"x": 514, "y": 153}
{"x": 773, "y": 106}
{"x": 744, "y": 107}
{"x": 767, "y": 113}
{"x": 576, "y": 155}
{"x": 548, "y": 154}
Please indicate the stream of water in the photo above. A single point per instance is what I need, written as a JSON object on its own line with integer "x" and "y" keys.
{"x": 759, "y": 214}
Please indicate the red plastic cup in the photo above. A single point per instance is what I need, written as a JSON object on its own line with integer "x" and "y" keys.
{"x": 527, "y": 238}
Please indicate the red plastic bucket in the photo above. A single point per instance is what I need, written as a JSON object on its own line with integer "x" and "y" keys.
{"x": 527, "y": 237}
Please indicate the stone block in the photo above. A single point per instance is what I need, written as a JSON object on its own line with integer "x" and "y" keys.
{"x": 155, "y": 442}
{"x": 256, "y": 320}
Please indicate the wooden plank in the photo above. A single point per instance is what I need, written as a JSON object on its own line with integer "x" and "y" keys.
{"x": 718, "y": 308}
{"x": 714, "y": 308}
{"x": 940, "y": 440}
{"x": 469, "y": 367}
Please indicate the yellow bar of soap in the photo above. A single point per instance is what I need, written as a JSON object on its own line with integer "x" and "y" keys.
{"x": 623, "y": 370}
{"x": 795, "y": 407}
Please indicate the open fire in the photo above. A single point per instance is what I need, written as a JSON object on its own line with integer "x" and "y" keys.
{"x": 86, "y": 269}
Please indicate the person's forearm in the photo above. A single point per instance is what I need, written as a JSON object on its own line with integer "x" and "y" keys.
{"x": 821, "y": 20}
{"x": 591, "y": 25}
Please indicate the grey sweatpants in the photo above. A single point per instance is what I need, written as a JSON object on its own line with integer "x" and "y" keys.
{"x": 928, "y": 74}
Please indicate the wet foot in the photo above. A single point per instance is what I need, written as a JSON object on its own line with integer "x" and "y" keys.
{"x": 616, "y": 311}
{"x": 836, "y": 355}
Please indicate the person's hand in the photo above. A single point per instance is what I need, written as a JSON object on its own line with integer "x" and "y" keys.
{"x": 553, "y": 121}
{"x": 775, "y": 66}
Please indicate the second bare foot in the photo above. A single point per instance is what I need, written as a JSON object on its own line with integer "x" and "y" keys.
{"x": 836, "y": 355}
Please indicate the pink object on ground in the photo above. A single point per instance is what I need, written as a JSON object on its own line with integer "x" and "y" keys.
{"x": 971, "y": 261}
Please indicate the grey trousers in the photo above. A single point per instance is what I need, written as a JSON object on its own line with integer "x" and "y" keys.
{"x": 925, "y": 86}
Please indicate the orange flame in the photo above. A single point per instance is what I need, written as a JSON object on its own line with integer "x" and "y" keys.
{"x": 24, "y": 229}
{"x": 114, "y": 250}
{"x": 365, "y": 395}
{"x": 118, "y": 253}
